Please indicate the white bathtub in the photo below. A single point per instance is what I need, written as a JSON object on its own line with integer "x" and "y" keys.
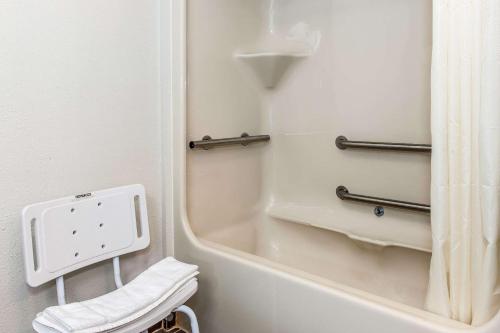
{"x": 260, "y": 270}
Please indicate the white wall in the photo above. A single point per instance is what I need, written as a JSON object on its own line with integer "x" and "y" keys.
{"x": 80, "y": 110}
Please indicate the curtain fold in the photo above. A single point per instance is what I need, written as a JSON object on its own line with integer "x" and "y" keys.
{"x": 465, "y": 187}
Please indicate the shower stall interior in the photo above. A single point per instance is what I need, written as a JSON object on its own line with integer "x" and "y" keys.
{"x": 307, "y": 149}
{"x": 306, "y": 73}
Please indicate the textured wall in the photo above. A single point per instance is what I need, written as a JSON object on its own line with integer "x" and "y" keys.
{"x": 79, "y": 111}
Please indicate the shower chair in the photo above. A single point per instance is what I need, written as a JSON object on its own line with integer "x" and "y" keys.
{"x": 65, "y": 235}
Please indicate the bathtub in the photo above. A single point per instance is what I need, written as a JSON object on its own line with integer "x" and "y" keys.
{"x": 264, "y": 267}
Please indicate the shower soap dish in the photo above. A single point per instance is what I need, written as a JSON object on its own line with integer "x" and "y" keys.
{"x": 270, "y": 67}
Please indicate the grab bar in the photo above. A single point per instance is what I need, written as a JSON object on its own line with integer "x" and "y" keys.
{"x": 343, "y": 143}
{"x": 207, "y": 142}
{"x": 343, "y": 194}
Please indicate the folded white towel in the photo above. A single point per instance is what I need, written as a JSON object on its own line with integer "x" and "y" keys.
{"x": 123, "y": 305}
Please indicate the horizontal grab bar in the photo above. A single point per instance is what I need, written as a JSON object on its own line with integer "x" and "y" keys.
{"x": 343, "y": 143}
{"x": 343, "y": 193}
{"x": 207, "y": 142}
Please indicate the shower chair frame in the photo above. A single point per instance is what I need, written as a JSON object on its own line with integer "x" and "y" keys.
{"x": 82, "y": 217}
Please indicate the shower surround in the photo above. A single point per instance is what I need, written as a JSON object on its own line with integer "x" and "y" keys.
{"x": 275, "y": 244}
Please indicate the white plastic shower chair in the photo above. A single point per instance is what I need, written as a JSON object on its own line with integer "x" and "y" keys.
{"x": 64, "y": 235}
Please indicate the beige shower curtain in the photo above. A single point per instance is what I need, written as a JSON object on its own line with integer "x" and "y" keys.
{"x": 465, "y": 190}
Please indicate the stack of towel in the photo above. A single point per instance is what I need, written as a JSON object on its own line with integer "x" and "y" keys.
{"x": 154, "y": 287}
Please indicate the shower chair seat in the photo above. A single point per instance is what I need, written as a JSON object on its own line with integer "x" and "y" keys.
{"x": 65, "y": 235}
{"x": 141, "y": 303}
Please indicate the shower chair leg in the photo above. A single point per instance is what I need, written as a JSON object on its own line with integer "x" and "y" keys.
{"x": 192, "y": 317}
{"x": 190, "y": 314}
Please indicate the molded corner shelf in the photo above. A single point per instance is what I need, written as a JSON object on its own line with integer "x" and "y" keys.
{"x": 270, "y": 67}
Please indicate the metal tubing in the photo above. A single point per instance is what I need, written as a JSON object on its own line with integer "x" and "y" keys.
{"x": 244, "y": 140}
{"x": 192, "y": 317}
{"x": 117, "y": 272}
{"x": 61, "y": 293}
{"x": 343, "y": 143}
{"x": 343, "y": 193}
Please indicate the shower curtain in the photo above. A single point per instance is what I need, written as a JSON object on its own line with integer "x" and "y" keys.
{"x": 465, "y": 189}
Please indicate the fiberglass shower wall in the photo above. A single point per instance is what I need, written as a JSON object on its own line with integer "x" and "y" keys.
{"x": 305, "y": 72}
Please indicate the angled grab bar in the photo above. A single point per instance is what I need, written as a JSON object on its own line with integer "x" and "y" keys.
{"x": 343, "y": 143}
{"x": 343, "y": 194}
{"x": 207, "y": 142}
